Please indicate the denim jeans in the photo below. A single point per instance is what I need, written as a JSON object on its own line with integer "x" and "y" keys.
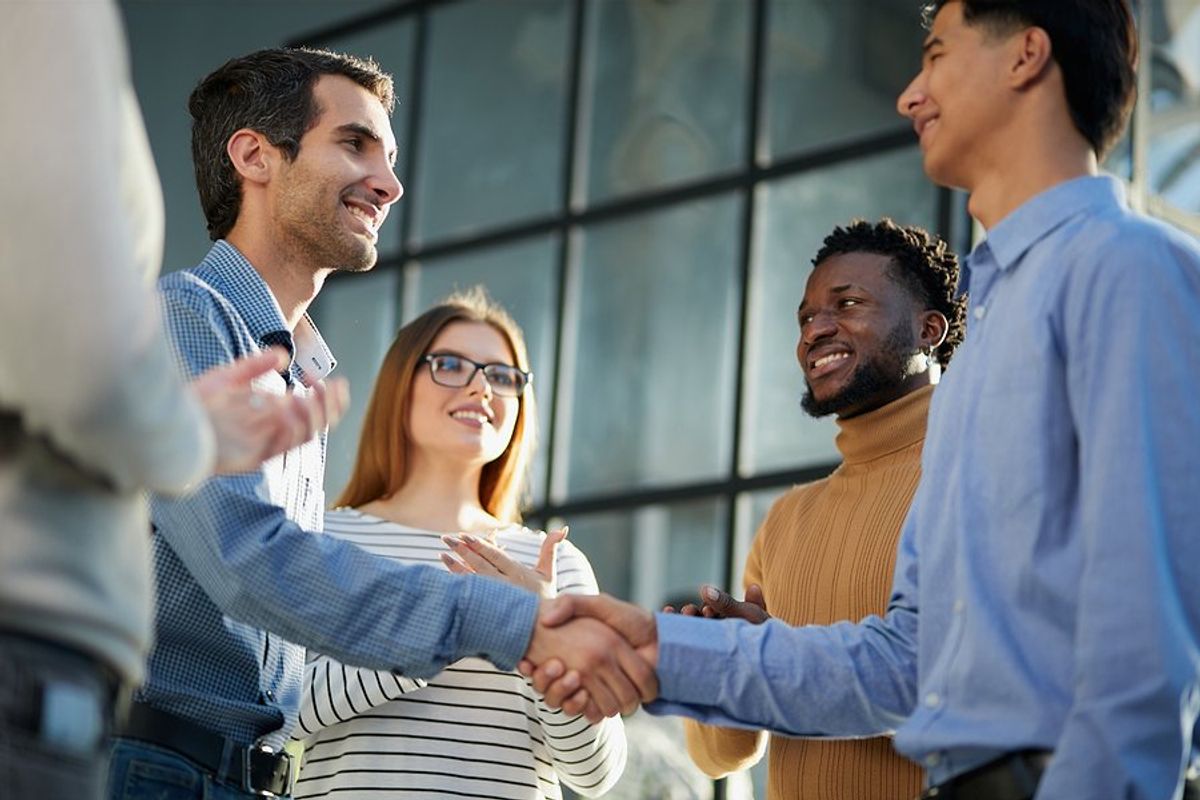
{"x": 56, "y": 709}
{"x": 142, "y": 771}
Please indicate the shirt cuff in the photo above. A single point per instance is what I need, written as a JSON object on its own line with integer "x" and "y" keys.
{"x": 497, "y": 621}
{"x": 689, "y": 652}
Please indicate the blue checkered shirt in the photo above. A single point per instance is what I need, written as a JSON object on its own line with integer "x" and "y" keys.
{"x": 244, "y": 578}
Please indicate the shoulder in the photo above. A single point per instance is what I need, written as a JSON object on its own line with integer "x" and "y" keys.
{"x": 189, "y": 301}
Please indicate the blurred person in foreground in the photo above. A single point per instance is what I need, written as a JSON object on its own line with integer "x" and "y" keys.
{"x": 1043, "y": 633}
{"x": 878, "y": 321}
{"x": 92, "y": 409}
{"x": 444, "y": 453}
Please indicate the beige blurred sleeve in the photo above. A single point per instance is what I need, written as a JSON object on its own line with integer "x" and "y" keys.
{"x": 84, "y": 361}
{"x": 720, "y": 751}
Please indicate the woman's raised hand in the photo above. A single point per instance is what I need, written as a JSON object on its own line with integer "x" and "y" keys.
{"x": 480, "y": 557}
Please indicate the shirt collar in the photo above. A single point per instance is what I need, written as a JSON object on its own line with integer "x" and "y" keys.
{"x": 1011, "y": 237}
{"x": 228, "y": 271}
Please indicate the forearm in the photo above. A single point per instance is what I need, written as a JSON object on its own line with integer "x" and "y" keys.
{"x": 261, "y": 568}
{"x": 719, "y": 751}
{"x": 844, "y": 680}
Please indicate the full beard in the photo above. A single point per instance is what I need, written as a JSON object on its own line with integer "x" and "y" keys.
{"x": 889, "y": 367}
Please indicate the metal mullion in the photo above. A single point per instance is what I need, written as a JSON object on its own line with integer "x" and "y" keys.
{"x": 417, "y": 69}
{"x": 756, "y": 45}
{"x": 560, "y": 393}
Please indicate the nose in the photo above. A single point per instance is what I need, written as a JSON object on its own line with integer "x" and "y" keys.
{"x": 385, "y": 185}
{"x": 822, "y": 325}
{"x": 911, "y": 98}
{"x": 480, "y": 380}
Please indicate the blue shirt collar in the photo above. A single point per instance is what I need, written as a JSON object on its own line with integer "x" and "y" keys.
{"x": 228, "y": 271}
{"x": 1033, "y": 220}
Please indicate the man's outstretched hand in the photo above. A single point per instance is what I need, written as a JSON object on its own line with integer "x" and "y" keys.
{"x": 593, "y": 654}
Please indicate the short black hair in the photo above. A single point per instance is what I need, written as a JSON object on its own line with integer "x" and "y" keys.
{"x": 269, "y": 91}
{"x": 919, "y": 261}
{"x": 1094, "y": 43}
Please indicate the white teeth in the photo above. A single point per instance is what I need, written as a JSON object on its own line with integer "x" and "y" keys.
{"x": 823, "y": 360}
{"x": 363, "y": 215}
{"x": 475, "y": 415}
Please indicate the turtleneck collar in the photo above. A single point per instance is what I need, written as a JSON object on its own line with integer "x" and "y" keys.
{"x": 885, "y": 430}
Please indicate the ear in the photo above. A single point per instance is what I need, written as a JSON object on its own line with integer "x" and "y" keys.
{"x": 934, "y": 327}
{"x": 252, "y": 155}
{"x": 1032, "y": 54}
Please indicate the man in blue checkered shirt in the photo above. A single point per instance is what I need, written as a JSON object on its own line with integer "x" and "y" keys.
{"x": 294, "y": 162}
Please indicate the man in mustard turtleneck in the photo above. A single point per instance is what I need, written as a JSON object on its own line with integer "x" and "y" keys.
{"x": 878, "y": 321}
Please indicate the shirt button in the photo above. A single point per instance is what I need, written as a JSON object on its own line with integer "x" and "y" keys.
{"x": 933, "y": 700}
{"x": 959, "y": 606}
{"x": 979, "y": 312}
{"x": 270, "y": 696}
{"x": 933, "y": 759}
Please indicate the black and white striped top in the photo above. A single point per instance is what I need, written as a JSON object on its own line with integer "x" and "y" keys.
{"x": 471, "y": 731}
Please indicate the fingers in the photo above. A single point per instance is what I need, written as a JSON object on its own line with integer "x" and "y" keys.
{"x": 557, "y": 611}
{"x": 548, "y": 554}
{"x": 721, "y": 605}
{"x": 456, "y": 566}
{"x": 754, "y": 594}
{"x": 489, "y": 552}
{"x": 690, "y": 610}
{"x": 720, "y": 602}
{"x": 472, "y": 559}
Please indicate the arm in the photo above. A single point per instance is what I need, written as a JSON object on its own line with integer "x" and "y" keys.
{"x": 85, "y": 362}
{"x": 1132, "y": 346}
{"x": 720, "y": 751}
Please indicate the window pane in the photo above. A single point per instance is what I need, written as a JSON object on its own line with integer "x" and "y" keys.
{"x": 667, "y": 83}
{"x": 391, "y": 46}
{"x": 1174, "y": 166}
{"x": 655, "y": 554}
{"x": 834, "y": 69}
{"x": 652, "y": 372}
{"x": 523, "y": 277}
{"x": 357, "y": 317}
{"x": 796, "y": 215}
{"x": 492, "y": 115}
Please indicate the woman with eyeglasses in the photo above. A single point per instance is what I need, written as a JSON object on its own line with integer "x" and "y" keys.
{"x": 446, "y": 442}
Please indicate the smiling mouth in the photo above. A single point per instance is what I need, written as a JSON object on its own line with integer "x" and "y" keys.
{"x": 370, "y": 222}
{"x": 472, "y": 417}
{"x": 830, "y": 362}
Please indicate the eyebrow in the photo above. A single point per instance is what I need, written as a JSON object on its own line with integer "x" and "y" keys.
{"x": 369, "y": 132}
{"x": 450, "y": 351}
{"x": 842, "y": 289}
{"x": 930, "y": 43}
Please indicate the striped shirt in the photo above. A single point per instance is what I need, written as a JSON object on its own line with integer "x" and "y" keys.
{"x": 470, "y": 731}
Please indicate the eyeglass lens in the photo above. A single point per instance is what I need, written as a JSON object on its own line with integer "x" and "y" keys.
{"x": 456, "y": 371}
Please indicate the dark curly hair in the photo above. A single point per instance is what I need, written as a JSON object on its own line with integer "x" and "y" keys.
{"x": 920, "y": 262}
{"x": 269, "y": 91}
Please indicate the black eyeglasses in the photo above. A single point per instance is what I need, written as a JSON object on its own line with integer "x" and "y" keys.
{"x": 447, "y": 369}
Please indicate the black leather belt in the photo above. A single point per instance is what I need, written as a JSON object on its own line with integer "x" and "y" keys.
{"x": 1011, "y": 777}
{"x": 256, "y": 769}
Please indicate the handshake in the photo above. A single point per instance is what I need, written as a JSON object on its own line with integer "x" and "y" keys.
{"x": 597, "y": 656}
{"x": 589, "y": 654}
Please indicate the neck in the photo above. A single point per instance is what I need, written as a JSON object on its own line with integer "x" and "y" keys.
{"x": 885, "y": 430}
{"x": 292, "y": 280}
{"x": 1024, "y": 166}
{"x": 437, "y": 496}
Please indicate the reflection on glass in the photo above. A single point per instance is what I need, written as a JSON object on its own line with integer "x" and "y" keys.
{"x": 796, "y": 215}
{"x": 523, "y": 277}
{"x": 1174, "y": 156}
{"x": 357, "y": 317}
{"x": 834, "y": 69}
{"x": 391, "y": 46}
{"x": 492, "y": 115}
{"x": 652, "y": 382}
{"x": 666, "y": 83}
{"x": 655, "y": 554}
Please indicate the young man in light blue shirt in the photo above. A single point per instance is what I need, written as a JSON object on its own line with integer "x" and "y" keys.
{"x": 1043, "y": 635}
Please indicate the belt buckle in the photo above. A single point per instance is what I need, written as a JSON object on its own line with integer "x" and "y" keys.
{"x": 263, "y": 750}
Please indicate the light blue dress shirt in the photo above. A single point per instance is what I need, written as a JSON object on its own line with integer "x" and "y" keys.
{"x": 244, "y": 580}
{"x": 1047, "y": 590}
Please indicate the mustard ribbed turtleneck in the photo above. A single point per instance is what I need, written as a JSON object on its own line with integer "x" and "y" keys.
{"x": 826, "y": 552}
